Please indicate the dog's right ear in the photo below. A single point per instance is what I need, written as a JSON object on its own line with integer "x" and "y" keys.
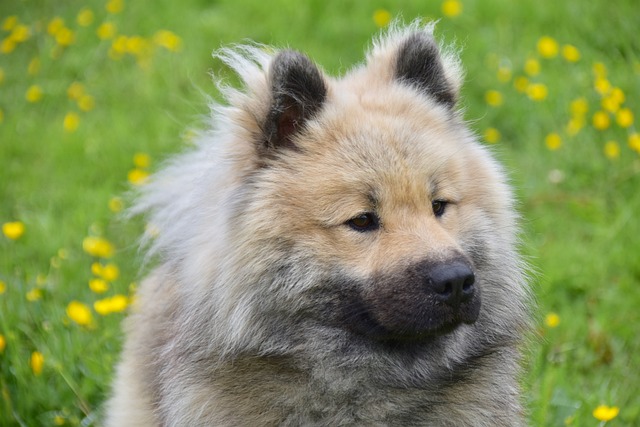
{"x": 298, "y": 91}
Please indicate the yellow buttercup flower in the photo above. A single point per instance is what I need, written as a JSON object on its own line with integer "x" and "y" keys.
{"x": 599, "y": 69}
{"x": 99, "y": 286}
{"x": 75, "y": 91}
{"x": 34, "y": 93}
{"x": 3, "y": 343}
{"x": 114, "y": 6}
{"x": 3, "y": 287}
{"x": 624, "y": 118}
{"x": 85, "y": 17}
{"x": 98, "y": 247}
{"x": 55, "y": 25}
{"x": 601, "y": 120}
{"x": 7, "y": 46}
{"x": 634, "y": 142}
{"x": 10, "y": 22}
{"x": 137, "y": 176}
{"x": 492, "y": 135}
{"x": 493, "y": 98}
{"x": 65, "y": 37}
{"x": 537, "y": 91}
{"x": 451, "y": 8}
{"x": 79, "y": 313}
{"x": 168, "y": 40}
{"x": 532, "y": 67}
{"x": 20, "y": 33}
{"x": 575, "y": 125}
{"x": 553, "y": 141}
{"x": 548, "y": 47}
{"x": 606, "y": 413}
{"x": 116, "y": 204}
{"x": 521, "y": 84}
{"x": 71, "y": 122}
{"x": 86, "y": 103}
{"x": 13, "y": 230}
{"x": 612, "y": 150}
{"x": 570, "y": 53}
{"x": 579, "y": 106}
{"x": 34, "y": 295}
{"x": 141, "y": 160}
{"x": 602, "y": 85}
{"x": 381, "y": 17}
{"x": 106, "y": 31}
{"x": 552, "y": 320}
{"x": 504, "y": 74}
{"x": 36, "y": 362}
{"x": 114, "y": 304}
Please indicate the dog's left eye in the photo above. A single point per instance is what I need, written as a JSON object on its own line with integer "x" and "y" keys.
{"x": 367, "y": 221}
{"x": 439, "y": 207}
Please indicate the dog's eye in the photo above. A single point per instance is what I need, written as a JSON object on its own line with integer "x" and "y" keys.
{"x": 439, "y": 207}
{"x": 367, "y": 221}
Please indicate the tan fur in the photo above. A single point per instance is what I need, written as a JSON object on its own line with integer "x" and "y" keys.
{"x": 244, "y": 322}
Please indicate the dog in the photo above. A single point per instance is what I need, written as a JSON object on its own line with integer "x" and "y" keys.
{"x": 333, "y": 251}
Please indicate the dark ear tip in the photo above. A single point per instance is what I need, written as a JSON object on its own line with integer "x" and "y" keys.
{"x": 419, "y": 64}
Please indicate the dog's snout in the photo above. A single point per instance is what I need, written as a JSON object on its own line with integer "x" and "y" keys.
{"x": 452, "y": 282}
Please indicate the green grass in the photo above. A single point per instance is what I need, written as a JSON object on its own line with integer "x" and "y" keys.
{"x": 581, "y": 231}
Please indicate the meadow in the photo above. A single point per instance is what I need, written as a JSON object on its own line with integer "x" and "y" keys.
{"x": 95, "y": 94}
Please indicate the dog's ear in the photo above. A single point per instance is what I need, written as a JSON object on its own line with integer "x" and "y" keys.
{"x": 419, "y": 64}
{"x": 298, "y": 91}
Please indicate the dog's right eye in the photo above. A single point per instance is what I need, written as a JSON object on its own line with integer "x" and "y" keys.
{"x": 367, "y": 221}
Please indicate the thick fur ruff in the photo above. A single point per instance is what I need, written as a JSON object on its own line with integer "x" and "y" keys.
{"x": 335, "y": 251}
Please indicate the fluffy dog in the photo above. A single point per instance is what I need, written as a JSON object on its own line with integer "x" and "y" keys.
{"x": 335, "y": 251}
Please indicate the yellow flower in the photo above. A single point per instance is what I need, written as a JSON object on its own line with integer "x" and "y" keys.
{"x": 86, "y": 103}
{"x": 451, "y": 8}
{"x": 381, "y": 17}
{"x": 10, "y": 22}
{"x": 118, "y": 47}
{"x": 610, "y": 103}
{"x": 599, "y": 69}
{"x": 634, "y": 142}
{"x": 115, "y": 204}
{"x": 171, "y": 41}
{"x": 570, "y": 53}
{"x": 114, "y": 6}
{"x": 617, "y": 94}
{"x": 553, "y": 141}
{"x": 109, "y": 272}
{"x": 602, "y": 85}
{"x": 13, "y": 230}
{"x": 7, "y": 46}
{"x": 85, "y": 17}
{"x": 552, "y": 320}
{"x": 3, "y": 287}
{"x": 106, "y": 31}
{"x": 36, "y": 362}
{"x": 114, "y": 304}
{"x": 493, "y": 98}
{"x": 606, "y": 413}
{"x": 75, "y": 90}
{"x": 575, "y": 125}
{"x": 71, "y": 122}
{"x": 521, "y": 84}
{"x": 537, "y": 91}
{"x": 612, "y": 150}
{"x": 98, "y": 247}
{"x": 141, "y": 160}
{"x": 99, "y": 286}
{"x": 624, "y": 118}
{"x": 34, "y": 93}
{"x": 492, "y": 135}
{"x": 532, "y": 67}
{"x": 3, "y": 343}
{"x": 137, "y": 176}
{"x": 34, "y": 67}
{"x": 547, "y": 47}
{"x": 65, "y": 37}
{"x": 20, "y": 33}
{"x": 601, "y": 120}
{"x": 34, "y": 295}
{"x": 504, "y": 74}
{"x": 579, "y": 106}
{"x": 55, "y": 25}
{"x": 58, "y": 420}
{"x": 79, "y": 313}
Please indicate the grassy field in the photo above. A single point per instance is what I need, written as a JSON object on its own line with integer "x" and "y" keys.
{"x": 95, "y": 94}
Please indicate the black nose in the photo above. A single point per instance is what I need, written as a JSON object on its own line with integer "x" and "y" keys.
{"x": 452, "y": 282}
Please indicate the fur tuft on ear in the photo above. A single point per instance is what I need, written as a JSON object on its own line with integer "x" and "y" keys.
{"x": 298, "y": 91}
{"x": 412, "y": 56}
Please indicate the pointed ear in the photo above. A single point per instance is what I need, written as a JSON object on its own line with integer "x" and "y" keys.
{"x": 420, "y": 65}
{"x": 298, "y": 91}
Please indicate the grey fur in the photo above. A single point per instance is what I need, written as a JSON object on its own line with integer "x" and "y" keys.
{"x": 266, "y": 306}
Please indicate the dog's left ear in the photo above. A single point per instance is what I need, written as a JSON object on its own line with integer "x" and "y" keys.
{"x": 298, "y": 91}
{"x": 419, "y": 64}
